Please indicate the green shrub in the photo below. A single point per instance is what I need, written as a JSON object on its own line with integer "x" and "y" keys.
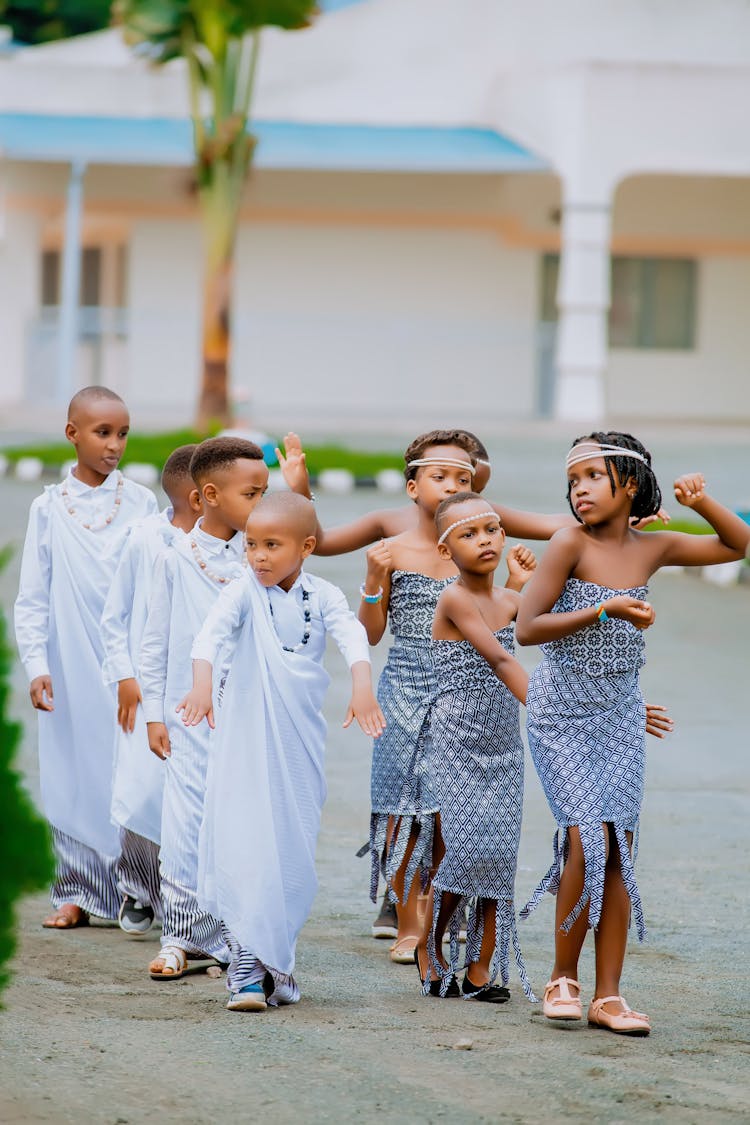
{"x": 26, "y": 862}
{"x": 153, "y": 449}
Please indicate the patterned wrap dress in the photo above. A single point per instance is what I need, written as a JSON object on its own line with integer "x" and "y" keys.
{"x": 586, "y": 726}
{"x": 478, "y": 770}
{"x": 401, "y": 783}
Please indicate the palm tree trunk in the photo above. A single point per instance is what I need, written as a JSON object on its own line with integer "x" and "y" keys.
{"x": 214, "y": 408}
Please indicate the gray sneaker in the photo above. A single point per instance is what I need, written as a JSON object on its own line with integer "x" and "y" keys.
{"x": 386, "y": 923}
{"x": 135, "y": 917}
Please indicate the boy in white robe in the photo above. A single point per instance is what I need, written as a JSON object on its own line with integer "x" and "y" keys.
{"x": 266, "y": 782}
{"x": 75, "y": 536}
{"x": 231, "y": 476}
{"x": 139, "y": 775}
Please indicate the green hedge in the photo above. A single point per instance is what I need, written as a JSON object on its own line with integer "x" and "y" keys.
{"x": 153, "y": 449}
{"x": 26, "y": 862}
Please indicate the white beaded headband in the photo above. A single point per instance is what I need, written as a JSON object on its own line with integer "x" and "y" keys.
{"x": 593, "y": 449}
{"x": 468, "y": 519}
{"x": 453, "y": 462}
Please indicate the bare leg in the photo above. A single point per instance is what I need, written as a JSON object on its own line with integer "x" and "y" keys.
{"x": 611, "y": 937}
{"x": 568, "y": 946}
{"x": 478, "y": 971}
{"x": 407, "y": 909}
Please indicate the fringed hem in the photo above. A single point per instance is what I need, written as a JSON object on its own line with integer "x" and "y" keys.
{"x": 505, "y": 934}
{"x": 594, "y": 859}
{"x": 387, "y": 857}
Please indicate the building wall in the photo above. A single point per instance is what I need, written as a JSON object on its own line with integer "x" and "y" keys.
{"x": 384, "y": 300}
{"x": 711, "y": 383}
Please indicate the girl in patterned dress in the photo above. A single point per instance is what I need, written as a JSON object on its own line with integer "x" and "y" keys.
{"x": 586, "y": 606}
{"x": 477, "y": 758}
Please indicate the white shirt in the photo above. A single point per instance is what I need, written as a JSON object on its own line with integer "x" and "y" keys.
{"x": 329, "y": 613}
{"x": 182, "y": 595}
{"x": 92, "y": 505}
{"x": 126, "y": 607}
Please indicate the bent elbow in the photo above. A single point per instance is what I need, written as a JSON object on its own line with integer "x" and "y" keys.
{"x": 524, "y": 633}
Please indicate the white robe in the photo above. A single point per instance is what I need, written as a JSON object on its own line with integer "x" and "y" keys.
{"x": 66, "y": 572}
{"x": 266, "y": 781}
{"x": 138, "y": 784}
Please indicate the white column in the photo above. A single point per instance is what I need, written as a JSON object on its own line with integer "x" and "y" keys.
{"x": 583, "y": 299}
{"x": 70, "y": 285}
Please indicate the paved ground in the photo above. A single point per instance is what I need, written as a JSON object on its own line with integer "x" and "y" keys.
{"x": 87, "y": 1037}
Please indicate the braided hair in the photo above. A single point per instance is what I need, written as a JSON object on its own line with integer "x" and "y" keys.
{"x": 417, "y": 448}
{"x": 647, "y": 499}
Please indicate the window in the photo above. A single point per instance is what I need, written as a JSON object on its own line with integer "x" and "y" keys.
{"x": 653, "y": 301}
{"x": 103, "y": 277}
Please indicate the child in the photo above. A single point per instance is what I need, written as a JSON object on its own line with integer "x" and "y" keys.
{"x": 139, "y": 776}
{"x": 231, "y": 477}
{"x": 76, "y": 533}
{"x": 586, "y": 606}
{"x": 266, "y": 783}
{"x": 478, "y": 758}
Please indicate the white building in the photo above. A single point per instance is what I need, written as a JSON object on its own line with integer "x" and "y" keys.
{"x": 484, "y": 211}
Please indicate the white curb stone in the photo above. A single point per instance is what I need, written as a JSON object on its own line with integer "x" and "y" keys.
{"x": 338, "y": 481}
{"x": 29, "y": 468}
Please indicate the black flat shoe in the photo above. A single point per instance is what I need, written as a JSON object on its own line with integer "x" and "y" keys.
{"x": 452, "y": 990}
{"x": 490, "y": 994}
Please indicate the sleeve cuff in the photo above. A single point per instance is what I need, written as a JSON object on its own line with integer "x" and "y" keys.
{"x": 115, "y": 670}
{"x": 153, "y": 710}
{"x": 203, "y": 651}
{"x": 36, "y": 666}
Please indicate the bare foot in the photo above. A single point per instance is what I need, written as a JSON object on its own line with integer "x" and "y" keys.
{"x": 66, "y": 917}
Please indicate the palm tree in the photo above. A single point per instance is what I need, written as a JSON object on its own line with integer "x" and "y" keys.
{"x": 219, "y": 42}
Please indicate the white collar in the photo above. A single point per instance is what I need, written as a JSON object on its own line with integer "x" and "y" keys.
{"x": 303, "y": 581}
{"x": 109, "y": 484}
{"x": 211, "y": 543}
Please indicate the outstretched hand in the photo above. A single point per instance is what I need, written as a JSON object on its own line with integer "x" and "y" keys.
{"x": 365, "y": 708}
{"x": 293, "y": 465}
{"x": 658, "y": 722}
{"x": 196, "y": 706}
{"x": 690, "y": 489}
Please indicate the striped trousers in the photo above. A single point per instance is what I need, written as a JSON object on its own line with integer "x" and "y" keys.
{"x": 245, "y": 968}
{"x": 138, "y": 870}
{"x": 84, "y": 877}
{"x": 184, "y": 923}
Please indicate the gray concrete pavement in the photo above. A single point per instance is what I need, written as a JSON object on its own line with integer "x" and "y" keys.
{"x": 86, "y": 1036}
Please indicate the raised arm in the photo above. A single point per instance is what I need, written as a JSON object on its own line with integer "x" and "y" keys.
{"x": 536, "y": 623}
{"x": 463, "y": 613}
{"x": 732, "y": 537}
{"x": 377, "y": 584}
{"x": 531, "y": 525}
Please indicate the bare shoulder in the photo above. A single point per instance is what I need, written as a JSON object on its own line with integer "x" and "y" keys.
{"x": 508, "y": 599}
{"x": 395, "y": 521}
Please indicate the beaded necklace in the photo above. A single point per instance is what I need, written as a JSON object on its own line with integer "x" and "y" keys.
{"x": 108, "y": 519}
{"x": 307, "y": 619}
{"x": 222, "y": 579}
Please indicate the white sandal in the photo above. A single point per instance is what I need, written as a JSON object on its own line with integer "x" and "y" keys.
{"x": 175, "y": 960}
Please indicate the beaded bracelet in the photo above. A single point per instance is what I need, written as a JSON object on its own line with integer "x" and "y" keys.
{"x": 371, "y": 599}
{"x": 601, "y": 614}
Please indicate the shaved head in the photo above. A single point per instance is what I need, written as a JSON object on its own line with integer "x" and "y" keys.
{"x": 291, "y": 511}
{"x": 88, "y": 398}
